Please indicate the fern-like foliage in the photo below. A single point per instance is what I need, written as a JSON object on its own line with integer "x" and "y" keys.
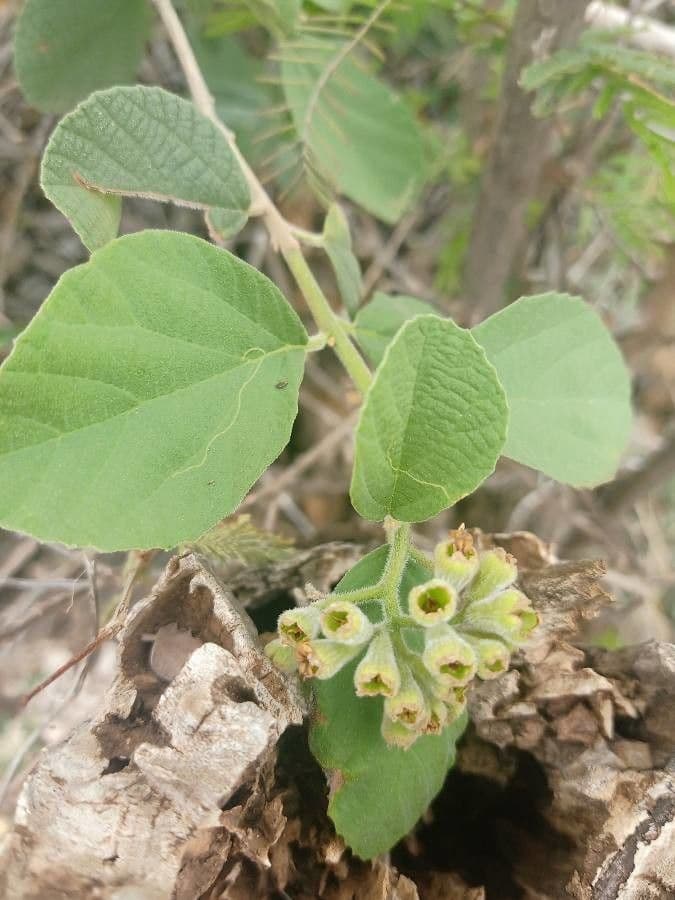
{"x": 239, "y": 540}
{"x": 643, "y": 83}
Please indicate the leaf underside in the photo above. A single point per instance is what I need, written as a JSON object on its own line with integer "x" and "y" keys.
{"x": 382, "y": 791}
{"x": 139, "y": 141}
{"x": 567, "y": 386}
{"x": 155, "y": 385}
{"x": 432, "y": 426}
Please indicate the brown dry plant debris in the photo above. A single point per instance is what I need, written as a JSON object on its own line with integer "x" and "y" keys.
{"x": 195, "y": 780}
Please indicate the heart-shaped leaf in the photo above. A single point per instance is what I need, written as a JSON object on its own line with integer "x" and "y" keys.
{"x": 432, "y": 425}
{"x": 155, "y": 385}
{"x": 567, "y": 387}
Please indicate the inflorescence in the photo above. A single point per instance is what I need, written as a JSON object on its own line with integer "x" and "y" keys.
{"x": 467, "y": 619}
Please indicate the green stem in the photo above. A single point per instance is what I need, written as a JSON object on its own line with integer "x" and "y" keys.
{"x": 326, "y": 319}
{"x": 393, "y": 572}
{"x": 361, "y": 595}
{"x": 281, "y": 232}
{"x": 421, "y": 558}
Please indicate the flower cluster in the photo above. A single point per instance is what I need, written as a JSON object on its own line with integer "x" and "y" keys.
{"x": 468, "y": 618}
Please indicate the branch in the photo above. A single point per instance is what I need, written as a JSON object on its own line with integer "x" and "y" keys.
{"x": 281, "y": 232}
{"x": 519, "y": 151}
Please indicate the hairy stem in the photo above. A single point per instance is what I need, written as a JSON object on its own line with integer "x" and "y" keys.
{"x": 393, "y": 573}
{"x": 281, "y": 232}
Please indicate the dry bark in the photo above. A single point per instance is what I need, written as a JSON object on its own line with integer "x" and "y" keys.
{"x": 192, "y": 784}
{"x": 520, "y": 148}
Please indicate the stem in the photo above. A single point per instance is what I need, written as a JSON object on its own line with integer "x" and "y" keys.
{"x": 361, "y": 595}
{"x": 281, "y": 232}
{"x": 421, "y": 558}
{"x": 393, "y": 573}
{"x": 326, "y": 319}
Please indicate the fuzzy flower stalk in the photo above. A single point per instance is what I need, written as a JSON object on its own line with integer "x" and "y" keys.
{"x": 462, "y": 623}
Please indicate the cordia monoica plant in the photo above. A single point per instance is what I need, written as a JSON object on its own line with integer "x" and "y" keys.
{"x": 160, "y": 378}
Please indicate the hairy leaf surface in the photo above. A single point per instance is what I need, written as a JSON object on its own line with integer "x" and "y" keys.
{"x": 66, "y": 49}
{"x": 139, "y": 141}
{"x": 155, "y": 385}
{"x": 432, "y": 426}
{"x": 566, "y": 383}
{"x": 381, "y": 791}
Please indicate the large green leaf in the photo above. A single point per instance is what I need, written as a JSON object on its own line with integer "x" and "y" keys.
{"x": 566, "y": 383}
{"x": 381, "y": 791}
{"x": 378, "y": 321}
{"x": 138, "y": 141}
{"x": 432, "y": 426}
{"x": 66, "y": 49}
{"x": 355, "y": 132}
{"x": 155, "y": 385}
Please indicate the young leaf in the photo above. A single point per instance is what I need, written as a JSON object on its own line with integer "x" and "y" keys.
{"x": 381, "y": 790}
{"x": 432, "y": 426}
{"x": 567, "y": 387}
{"x": 139, "y": 141}
{"x": 155, "y": 385}
{"x": 354, "y": 130}
{"x": 338, "y": 246}
{"x": 378, "y": 322}
{"x": 64, "y": 50}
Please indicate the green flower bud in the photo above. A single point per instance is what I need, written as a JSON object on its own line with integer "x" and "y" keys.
{"x": 432, "y": 602}
{"x": 297, "y": 626}
{"x": 397, "y": 735}
{"x": 497, "y": 570}
{"x": 409, "y": 705}
{"x": 281, "y": 655}
{"x": 378, "y": 671}
{"x": 448, "y": 656}
{"x": 508, "y": 616}
{"x": 345, "y": 622}
{"x": 322, "y": 658}
{"x": 456, "y": 559}
{"x": 493, "y": 657}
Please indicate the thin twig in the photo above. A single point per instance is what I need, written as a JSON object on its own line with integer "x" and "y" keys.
{"x": 109, "y": 631}
{"x": 280, "y": 231}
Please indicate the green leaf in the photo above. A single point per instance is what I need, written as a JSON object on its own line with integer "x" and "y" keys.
{"x": 338, "y": 246}
{"x": 64, "y": 50}
{"x": 567, "y": 387}
{"x": 381, "y": 791}
{"x": 153, "y": 388}
{"x": 432, "y": 425}
{"x": 378, "y": 322}
{"x": 358, "y": 135}
{"x": 138, "y": 141}
{"x": 225, "y": 223}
